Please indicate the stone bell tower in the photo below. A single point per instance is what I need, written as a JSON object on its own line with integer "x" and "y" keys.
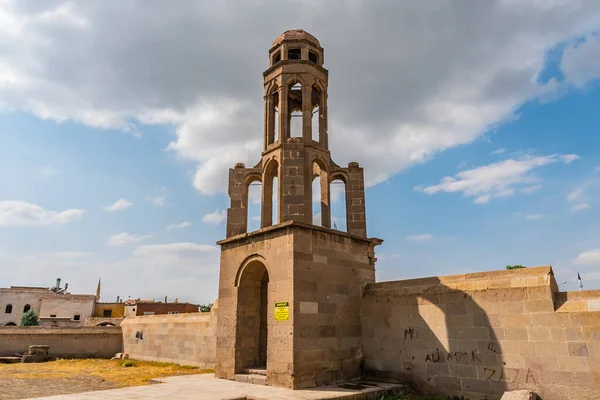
{"x": 289, "y": 293}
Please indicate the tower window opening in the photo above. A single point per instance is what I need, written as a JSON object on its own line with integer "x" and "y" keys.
{"x": 276, "y": 126}
{"x": 316, "y": 117}
{"x": 276, "y": 58}
{"x": 296, "y": 124}
{"x": 8, "y": 309}
{"x": 338, "y": 205}
{"x": 273, "y": 116}
{"x": 270, "y": 195}
{"x": 315, "y": 124}
{"x": 294, "y": 54}
{"x": 275, "y": 211}
{"x": 295, "y": 110}
{"x": 320, "y": 195}
{"x": 313, "y": 57}
{"x": 26, "y": 308}
{"x": 254, "y": 206}
{"x": 317, "y": 217}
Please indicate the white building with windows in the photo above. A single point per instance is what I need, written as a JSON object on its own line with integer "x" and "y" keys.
{"x": 54, "y": 305}
{"x": 17, "y": 300}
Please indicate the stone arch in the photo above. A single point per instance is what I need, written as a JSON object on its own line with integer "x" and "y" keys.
{"x": 248, "y": 260}
{"x": 272, "y": 114}
{"x": 252, "y": 310}
{"x": 343, "y": 178}
{"x": 270, "y": 197}
{"x": 295, "y": 101}
{"x": 251, "y": 178}
{"x": 322, "y": 198}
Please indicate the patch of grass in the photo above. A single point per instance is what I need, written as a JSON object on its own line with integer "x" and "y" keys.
{"x": 109, "y": 370}
{"x": 128, "y": 363}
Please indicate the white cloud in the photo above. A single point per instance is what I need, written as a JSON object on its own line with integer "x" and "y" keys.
{"x": 531, "y": 189}
{"x": 425, "y": 237}
{"x": 569, "y": 158}
{"x": 497, "y": 152}
{"x": 215, "y": 218}
{"x": 590, "y": 257}
{"x": 49, "y": 170}
{"x": 181, "y": 225}
{"x": 158, "y": 200}
{"x": 188, "y": 271}
{"x": 68, "y": 61}
{"x": 581, "y": 61}
{"x": 119, "y": 205}
{"x": 125, "y": 238}
{"x": 20, "y": 213}
{"x": 533, "y": 216}
{"x": 580, "y": 193}
{"x": 255, "y": 218}
{"x": 57, "y": 255}
{"x": 175, "y": 250}
{"x": 579, "y": 207}
{"x": 499, "y": 179}
{"x": 462, "y": 165}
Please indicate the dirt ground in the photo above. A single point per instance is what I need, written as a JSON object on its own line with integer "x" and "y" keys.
{"x": 22, "y": 381}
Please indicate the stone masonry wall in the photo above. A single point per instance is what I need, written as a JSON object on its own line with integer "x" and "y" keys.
{"x": 330, "y": 269}
{"x": 185, "y": 339}
{"x": 77, "y": 342}
{"x": 477, "y": 335}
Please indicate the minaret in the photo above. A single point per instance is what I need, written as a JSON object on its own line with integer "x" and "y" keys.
{"x": 290, "y": 292}
{"x": 98, "y": 290}
{"x": 296, "y": 145}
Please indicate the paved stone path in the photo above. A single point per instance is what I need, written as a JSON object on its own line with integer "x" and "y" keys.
{"x": 207, "y": 387}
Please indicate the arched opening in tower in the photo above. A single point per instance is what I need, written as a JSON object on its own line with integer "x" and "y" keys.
{"x": 321, "y": 214}
{"x": 270, "y": 195}
{"x": 316, "y": 201}
{"x": 273, "y": 116}
{"x": 252, "y": 317}
{"x": 254, "y": 206}
{"x": 295, "y": 109}
{"x": 338, "y": 204}
{"x": 316, "y": 118}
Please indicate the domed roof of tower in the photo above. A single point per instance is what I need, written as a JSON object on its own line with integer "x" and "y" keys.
{"x": 296, "y": 34}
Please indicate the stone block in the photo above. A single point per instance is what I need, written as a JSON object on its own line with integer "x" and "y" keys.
{"x": 519, "y": 395}
{"x": 578, "y": 349}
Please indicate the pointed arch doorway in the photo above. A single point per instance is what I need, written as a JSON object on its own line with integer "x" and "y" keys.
{"x": 252, "y": 317}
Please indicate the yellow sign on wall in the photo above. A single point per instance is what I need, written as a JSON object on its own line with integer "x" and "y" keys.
{"x": 282, "y": 311}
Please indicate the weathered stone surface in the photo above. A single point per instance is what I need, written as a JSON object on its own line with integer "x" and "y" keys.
{"x": 519, "y": 395}
{"x": 76, "y": 342}
{"x": 186, "y": 339}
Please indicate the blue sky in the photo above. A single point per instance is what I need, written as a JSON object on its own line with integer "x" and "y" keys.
{"x": 116, "y": 137}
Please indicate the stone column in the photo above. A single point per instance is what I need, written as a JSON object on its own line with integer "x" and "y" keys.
{"x": 284, "y": 123}
{"x": 355, "y": 201}
{"x": 237, "y": 213}
{"x": 307, "y": 114}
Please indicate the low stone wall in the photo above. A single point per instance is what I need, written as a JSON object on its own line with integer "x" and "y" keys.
{"x": 186, "y": 339}
{"x": 103, "y": 321}
{"x": 477, "y": 335}
{"x": 76, "y": 342}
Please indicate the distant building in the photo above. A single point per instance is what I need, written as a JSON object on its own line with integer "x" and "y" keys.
{"x": 66, "y": 309}
{"x": 109, "y": 310}
{"x": 54, "y": 305}
{"x": 17, "y": 300}
{"x": 151, "y": 307}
